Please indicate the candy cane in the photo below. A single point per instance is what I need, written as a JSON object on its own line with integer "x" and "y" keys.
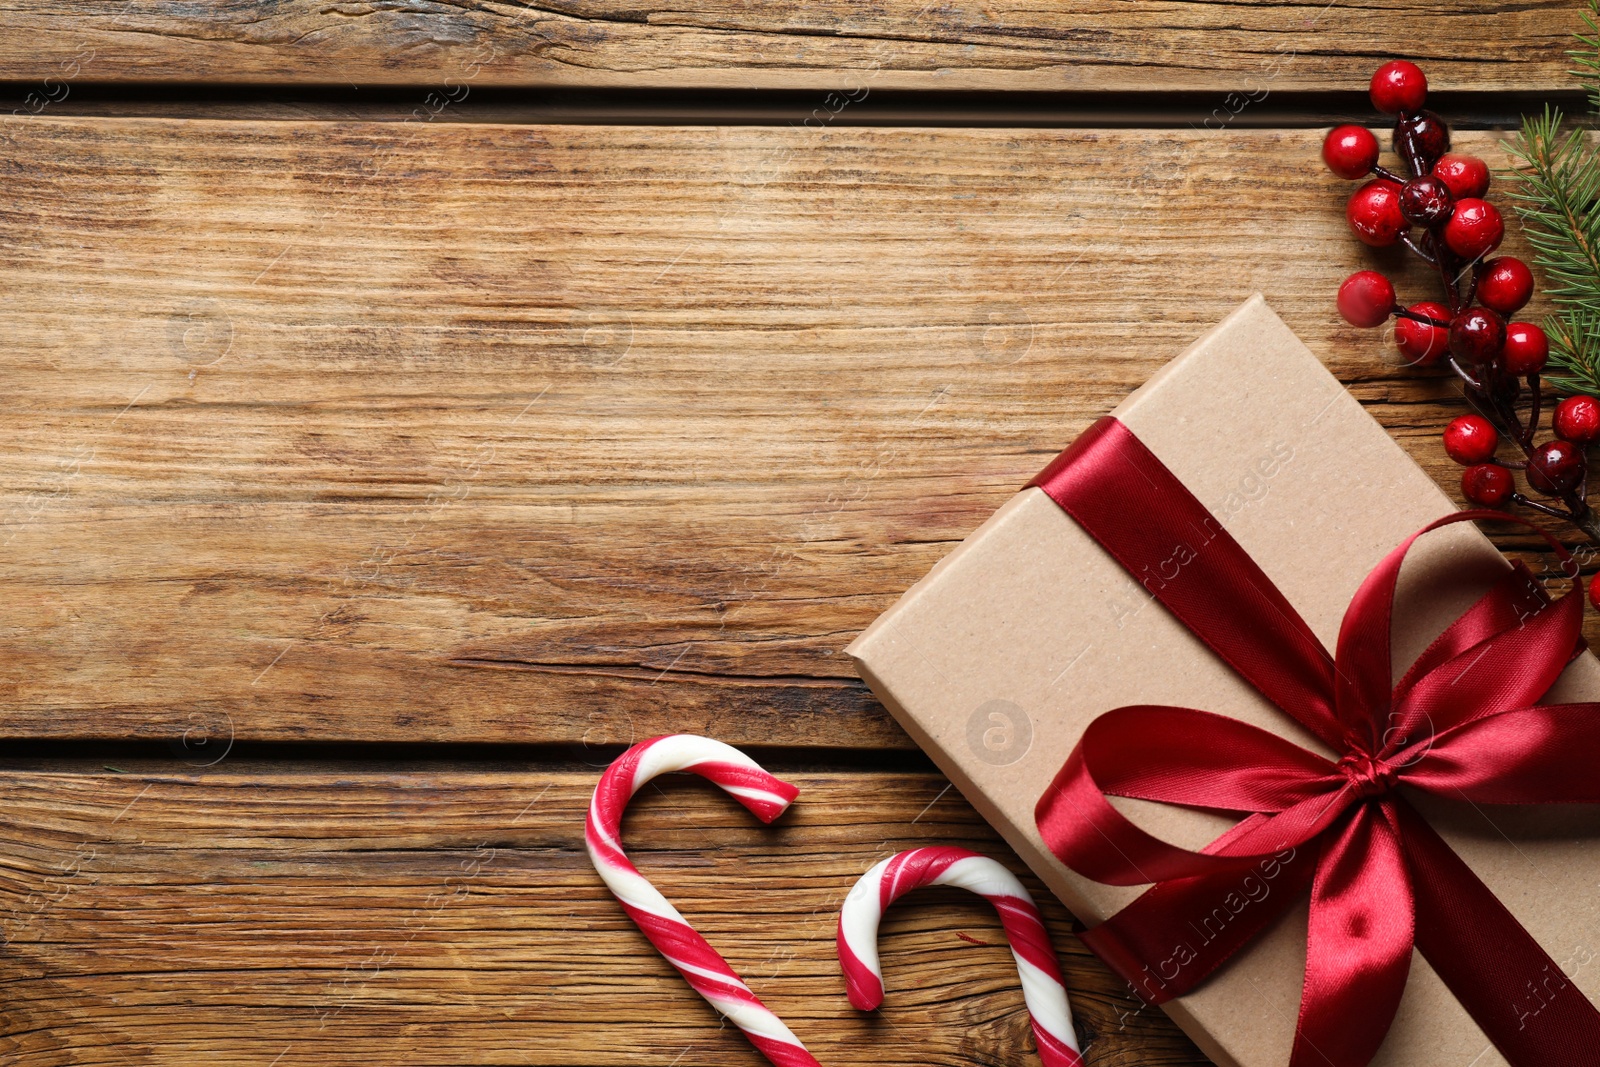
{"x": 705, "y": 971}
{"x": 1042, "y": 987}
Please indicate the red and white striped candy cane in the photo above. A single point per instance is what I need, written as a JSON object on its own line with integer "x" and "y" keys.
{"x": 1042, "y": 987}
{"x": 705, "y": 971}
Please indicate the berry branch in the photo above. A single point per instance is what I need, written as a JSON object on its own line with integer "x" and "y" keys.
{"x": 1439, "y": 213}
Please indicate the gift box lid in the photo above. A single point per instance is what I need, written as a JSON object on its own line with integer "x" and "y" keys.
{"x": 997, "y": 660}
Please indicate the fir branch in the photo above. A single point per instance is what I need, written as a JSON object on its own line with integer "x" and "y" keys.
{"x": 1556, "y": 189}
{"x": 1588, "y": 57}
{"x": 1575, "y": 350}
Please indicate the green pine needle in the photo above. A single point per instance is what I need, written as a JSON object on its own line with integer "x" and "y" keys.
{"x": 1555, "y": 187}
{"x": 1575, "y": 351}
{"x": 1588, "y": 57}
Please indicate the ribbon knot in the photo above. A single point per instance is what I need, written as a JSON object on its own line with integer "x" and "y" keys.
{"x": 1369, "y": 777}
{"x": 1464, "y": 723}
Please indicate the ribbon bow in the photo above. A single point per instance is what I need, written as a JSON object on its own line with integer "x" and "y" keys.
{"x": 1464, "y": 722}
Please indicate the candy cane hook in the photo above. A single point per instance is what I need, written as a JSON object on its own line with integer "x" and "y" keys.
{"x": 701, "y": 966}
{"x": 1042, "y": 987}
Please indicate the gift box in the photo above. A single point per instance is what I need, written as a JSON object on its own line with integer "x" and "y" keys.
{"x": 999, "y": 659}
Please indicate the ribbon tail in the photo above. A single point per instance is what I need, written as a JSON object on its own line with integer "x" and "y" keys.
{"x": 1358, "y": 953}
{"x": 1177, "y": 934}
{"x": 1524, "y": 1001}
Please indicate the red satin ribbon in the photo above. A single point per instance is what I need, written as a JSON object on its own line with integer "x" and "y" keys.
{"x": 1464, "y": 723}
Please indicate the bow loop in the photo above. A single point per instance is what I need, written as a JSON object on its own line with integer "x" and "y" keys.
{"x": 1191, "y": 758}
{"x": 1503, "y": 652}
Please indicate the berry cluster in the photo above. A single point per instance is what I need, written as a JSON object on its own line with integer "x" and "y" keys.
{"x": 1440, "y": 214}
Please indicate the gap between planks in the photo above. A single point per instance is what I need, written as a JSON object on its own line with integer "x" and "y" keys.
{"x": 1196, "y": 110}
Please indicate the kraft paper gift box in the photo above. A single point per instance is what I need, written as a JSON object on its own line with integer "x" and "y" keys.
{"x": 998, "y": 659}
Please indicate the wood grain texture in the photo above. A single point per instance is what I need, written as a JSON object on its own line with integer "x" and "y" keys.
{"x": 296, "y": 915}
{"x": 578, "y": 435}
{"x": 837, "y": 47}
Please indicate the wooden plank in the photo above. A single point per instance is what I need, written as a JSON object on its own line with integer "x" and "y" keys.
{"x": 577, "y": 435}
{"x": 837, "y": 47}
{"x": 300, "y": 915}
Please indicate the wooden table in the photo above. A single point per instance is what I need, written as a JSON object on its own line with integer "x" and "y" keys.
{"x": 411, "y": 404}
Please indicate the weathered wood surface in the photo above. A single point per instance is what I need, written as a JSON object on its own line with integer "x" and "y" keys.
{"x": 577, "y": 435}
{"x": 837, "y": 46}
{"x": 399, "y": 432}
{"x": 293, "y": 915}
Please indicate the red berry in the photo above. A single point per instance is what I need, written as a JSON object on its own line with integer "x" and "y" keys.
{"x": 1374, "y": 213}
{"x": 1505, "y": 284}
{"x": 1464, "y": 175}
{"x": 1477, "y": 336}
{"x": 1470, "y": 439}
{"x": 1475, "y": 229}
{"x": 1488, "y": 484}
{"x": 1350, "y": 151}
{"x": 1577, "y": 419}
{"x": 1421, "y": 343}
{"x": 1366, "y": 298}
{"x": 1526, "y": 349}
{"x": 1426, "y": 133}
{"x": 1555, "y": 467}
{"x": 1426, "y": 201}
{"x": 1399, "y": 86}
